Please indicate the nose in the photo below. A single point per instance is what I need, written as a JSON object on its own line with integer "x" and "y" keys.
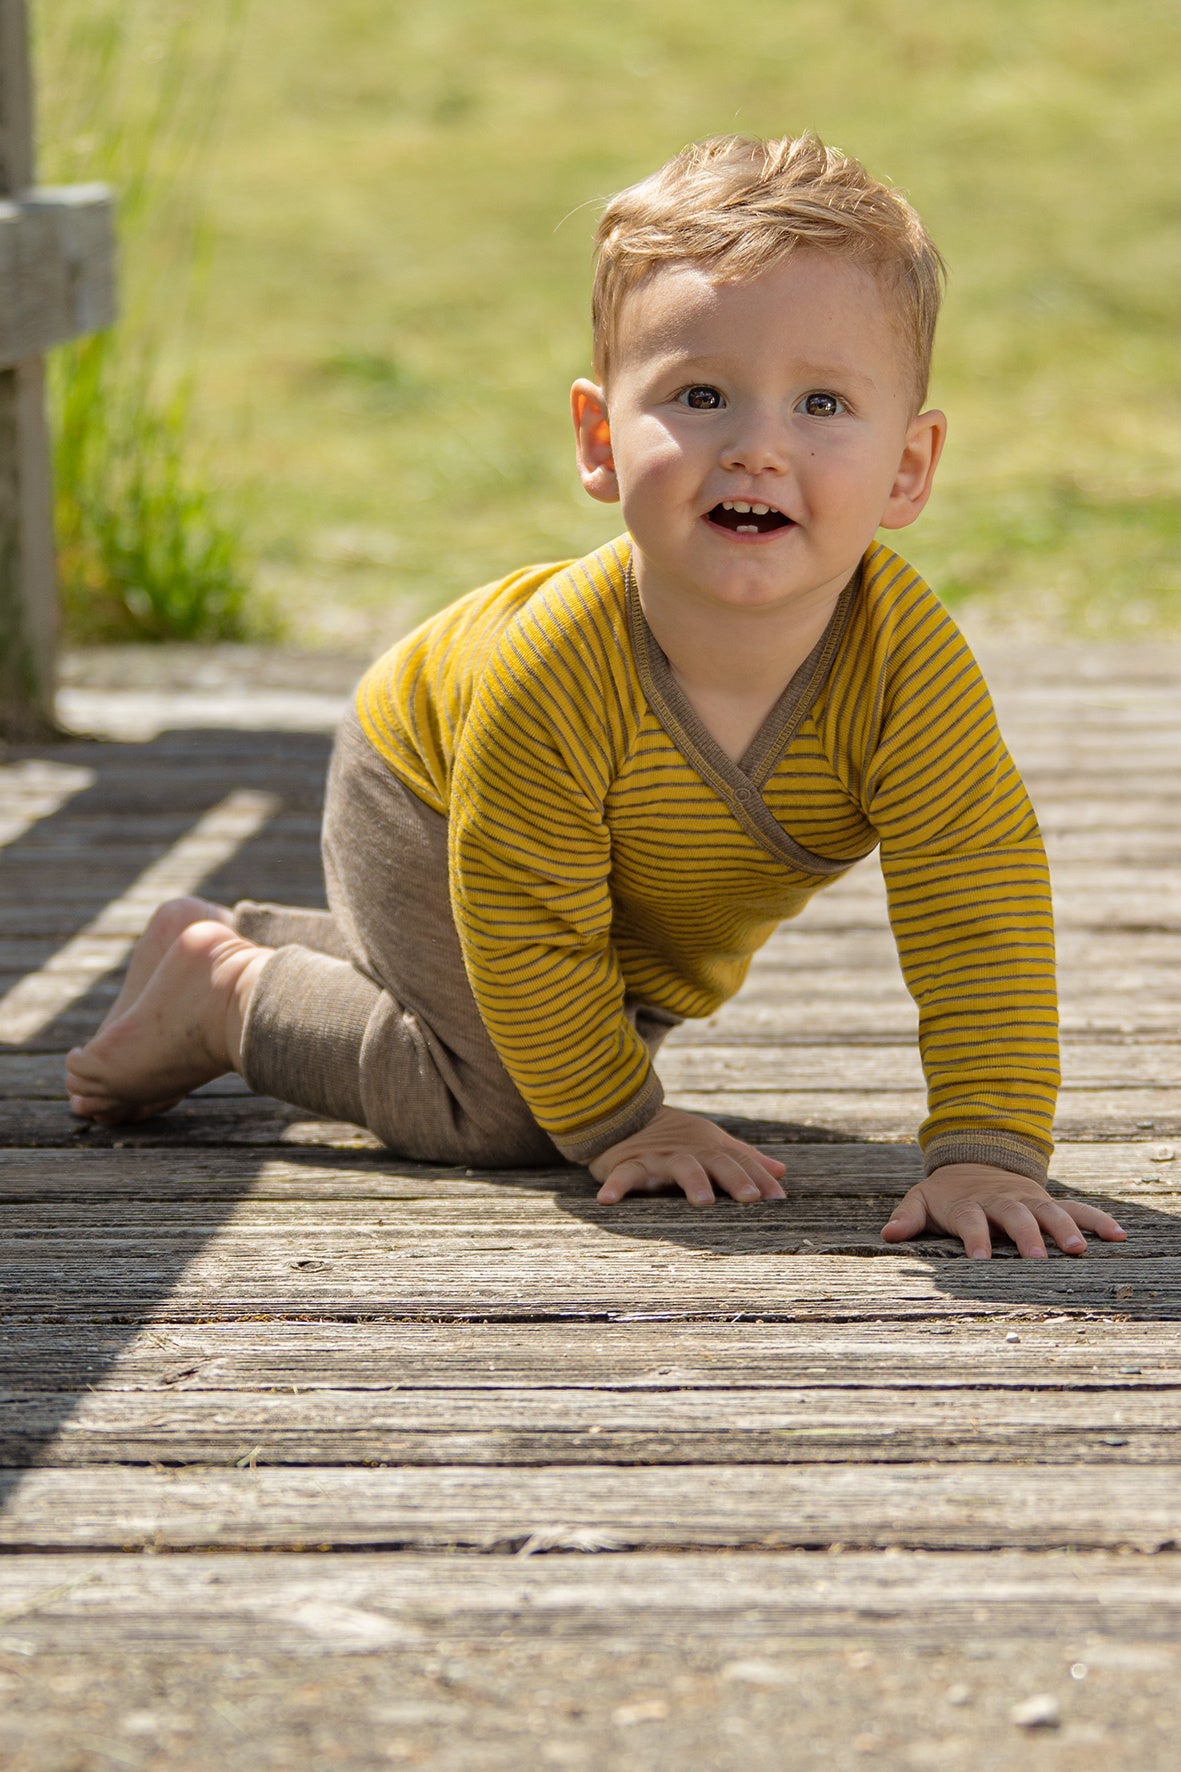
{"x": 757, "y": 442}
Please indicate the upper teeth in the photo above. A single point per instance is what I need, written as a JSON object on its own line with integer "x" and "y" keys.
{"x": 738, "y": 504}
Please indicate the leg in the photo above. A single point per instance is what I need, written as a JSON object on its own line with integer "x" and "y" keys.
{"x": 390, "y": 1038}
{"x": 184, "y": 1029}
{"x": 264, "y": 925}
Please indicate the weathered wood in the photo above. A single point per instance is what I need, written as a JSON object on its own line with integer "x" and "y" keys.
{"x": 808, "y": 1424}
{"x": 309, "y": 1604}
{"x": 98, "y": 1176}
{"x": 447, "y": 1506}
{"x": 665, "y": 1662}
{"x": 1073, "y": 1351}
{"x": 57, "y": 269}
{"x": 56, "y": 281}
{"x": 768, "y": 1117}
{"x": 787, "y": 1275}
{"x": 551, "y": 1375}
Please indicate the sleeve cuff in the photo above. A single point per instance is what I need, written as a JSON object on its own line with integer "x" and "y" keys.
{"x": 588, "y": 1142}
{"x": 1003, "y": 1150}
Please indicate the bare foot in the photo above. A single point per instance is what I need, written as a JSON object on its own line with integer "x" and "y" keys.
{"x": 183, "y": 1030}
{"x": 167, "y": 923}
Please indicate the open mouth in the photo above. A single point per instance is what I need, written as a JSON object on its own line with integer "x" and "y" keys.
{"x": 748, "y": 519}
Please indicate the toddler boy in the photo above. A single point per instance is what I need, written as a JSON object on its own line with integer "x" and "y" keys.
{"x": 565, "y": 812}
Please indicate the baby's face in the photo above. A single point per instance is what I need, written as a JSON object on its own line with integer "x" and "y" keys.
{"x": 759, "y": 432}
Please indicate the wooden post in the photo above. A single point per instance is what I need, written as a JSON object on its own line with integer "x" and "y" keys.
{"x": 56, "y": 282}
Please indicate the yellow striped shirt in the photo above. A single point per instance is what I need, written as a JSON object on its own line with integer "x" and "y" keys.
{"x": 604, "y": 849}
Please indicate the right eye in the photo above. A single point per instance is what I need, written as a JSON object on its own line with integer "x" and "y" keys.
{"x": 701, "y": 398}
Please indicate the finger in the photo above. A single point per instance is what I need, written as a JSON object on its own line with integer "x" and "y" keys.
{"x": 908, "y": 1219}
{"x": 692, "y": 1180}
{"x": 736, "y": 1180}
{"x": 970, "y": 1225}
{"x": 1057, "y": 1223}
{"x": 766, "y": 1186}
{"x": 769, "y": 1186}
{"x": 630, "y": 1177}
{"x": 1020, "y": 1225}
{"x": 744, "y": 1152}
{"x": 1090, "y": 1218}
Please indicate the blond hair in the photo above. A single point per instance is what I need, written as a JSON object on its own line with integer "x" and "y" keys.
{"x": 736, "y": 207}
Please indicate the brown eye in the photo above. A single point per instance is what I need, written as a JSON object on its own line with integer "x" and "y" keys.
{"x": 821, "y": 405}
{"x": 702, "y": 399}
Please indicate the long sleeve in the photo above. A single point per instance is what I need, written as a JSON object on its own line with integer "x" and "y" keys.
{"x": 530, "y": 865}
{"x": 969, "y": 897}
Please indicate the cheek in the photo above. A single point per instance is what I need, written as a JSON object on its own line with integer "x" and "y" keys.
{"x": 650, "y": 457}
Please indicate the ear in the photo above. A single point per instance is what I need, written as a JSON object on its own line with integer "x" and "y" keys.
{"x": 592, "y": 436}
{"x": 916, "y": 469}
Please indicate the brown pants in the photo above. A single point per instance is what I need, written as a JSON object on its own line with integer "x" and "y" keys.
{"x": 364, "y": 1011}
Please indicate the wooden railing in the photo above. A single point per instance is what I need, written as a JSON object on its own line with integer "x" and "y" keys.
{"x": 57, "y": 282}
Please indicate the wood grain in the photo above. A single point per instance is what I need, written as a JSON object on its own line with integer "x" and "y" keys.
{"x": 239, "y": 1329}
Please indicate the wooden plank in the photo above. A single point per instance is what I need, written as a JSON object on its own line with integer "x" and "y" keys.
{"x": 788, "y": 1275}
{"x": 308, "y": 1604}
{"x": 96, "y": 1177}
{"x": 444, "y": 1507}
{"x": 1082, "y": 1114}
{"x": 1072, "y": 1350}
{"x": 31, "y": 1004}
{"x": 551, "y": 1426}
{"x": 703, "y": 1661}
{"x": 768, "y": 1117}
{"x": 1114, "y": 1065}
{"x": 57, "y": 268}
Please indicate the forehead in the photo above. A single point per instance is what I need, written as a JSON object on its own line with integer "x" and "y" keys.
{"x": 811, "y": 304}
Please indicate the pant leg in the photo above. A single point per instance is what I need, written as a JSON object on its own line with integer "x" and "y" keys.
{"x": 390, "y": 1036}
{"x": 284, "y": 925}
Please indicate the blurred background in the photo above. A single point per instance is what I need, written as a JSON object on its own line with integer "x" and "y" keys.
{"x": 356, "y": 256}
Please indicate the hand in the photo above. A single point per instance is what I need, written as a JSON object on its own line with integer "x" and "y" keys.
{"x": 965, "y": 1198}
{"x": 690, "y": 1152}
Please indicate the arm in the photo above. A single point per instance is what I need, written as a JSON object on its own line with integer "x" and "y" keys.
{"x": 969, "y": 898}
{"x": 530, "y": 885}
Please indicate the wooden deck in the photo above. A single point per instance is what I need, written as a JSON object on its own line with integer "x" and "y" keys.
{"x": 481, "y": 1475}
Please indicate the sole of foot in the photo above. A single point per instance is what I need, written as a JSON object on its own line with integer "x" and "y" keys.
{"x": 182, "y": 1030}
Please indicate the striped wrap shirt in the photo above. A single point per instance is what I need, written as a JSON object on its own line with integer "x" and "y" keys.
{"x": 605, "y": 851}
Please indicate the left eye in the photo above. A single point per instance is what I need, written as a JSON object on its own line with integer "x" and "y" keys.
{"x": 821, "y": 405}
{"x": 701, "y": 398}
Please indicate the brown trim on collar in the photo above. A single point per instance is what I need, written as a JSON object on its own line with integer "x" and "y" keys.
{"x": 740, "y": 784}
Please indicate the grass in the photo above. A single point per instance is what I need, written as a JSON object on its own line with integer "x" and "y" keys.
{"x": 401, "y": 203}
{"x": 146, "y": 548}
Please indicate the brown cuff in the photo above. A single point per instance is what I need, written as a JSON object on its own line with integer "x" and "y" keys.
{"x": 590, "y": 1141}
{"x": 1003, "y": 1150}
{"x": 301, "y": 1040}
{"x": 282, "y": 925}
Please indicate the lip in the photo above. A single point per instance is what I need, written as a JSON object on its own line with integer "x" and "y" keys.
{"x": 762, "y": 538}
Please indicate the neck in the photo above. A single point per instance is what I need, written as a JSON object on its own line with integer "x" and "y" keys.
{"x": 748, "y": 653}
{"x": 734, "y": 664}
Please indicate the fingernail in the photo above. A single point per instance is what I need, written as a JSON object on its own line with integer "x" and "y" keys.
{"x": 1075, "y": 1243}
